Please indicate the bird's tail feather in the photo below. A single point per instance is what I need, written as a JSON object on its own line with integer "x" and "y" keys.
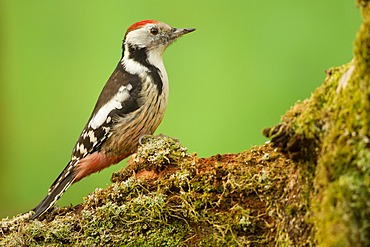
{"x": 57, "y": 189}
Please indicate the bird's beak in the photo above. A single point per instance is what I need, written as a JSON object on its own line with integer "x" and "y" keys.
{"x": 177, "y": 32}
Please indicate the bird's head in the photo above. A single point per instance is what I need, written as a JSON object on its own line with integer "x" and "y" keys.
{"x": 153, "y": 35}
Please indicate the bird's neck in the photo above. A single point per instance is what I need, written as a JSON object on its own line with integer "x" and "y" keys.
{"x": 139, "y": 61}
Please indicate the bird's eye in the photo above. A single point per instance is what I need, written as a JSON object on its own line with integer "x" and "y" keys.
{"x": 154, "y": 30}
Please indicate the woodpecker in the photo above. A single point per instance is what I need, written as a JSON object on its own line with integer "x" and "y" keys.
{"x": 131, "y": 105}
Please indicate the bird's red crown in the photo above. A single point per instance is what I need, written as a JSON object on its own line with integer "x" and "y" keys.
{"x": 139, "y": 24}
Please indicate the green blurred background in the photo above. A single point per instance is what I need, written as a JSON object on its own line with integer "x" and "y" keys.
{"x": 243, "y": 68}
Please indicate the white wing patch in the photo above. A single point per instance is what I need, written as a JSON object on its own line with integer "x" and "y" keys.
{"x": 115, "y": 103}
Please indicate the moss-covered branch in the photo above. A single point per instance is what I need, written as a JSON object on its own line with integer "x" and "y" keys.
{"x": 168, "y": 197}
{"x": 309, "y": 186}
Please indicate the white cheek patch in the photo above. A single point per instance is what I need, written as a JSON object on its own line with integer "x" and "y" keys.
{"x": 115, "y": 103}
{"x": 138, "y": 37}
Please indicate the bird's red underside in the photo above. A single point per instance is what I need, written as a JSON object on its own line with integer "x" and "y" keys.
{"x": 95, "y": 162}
